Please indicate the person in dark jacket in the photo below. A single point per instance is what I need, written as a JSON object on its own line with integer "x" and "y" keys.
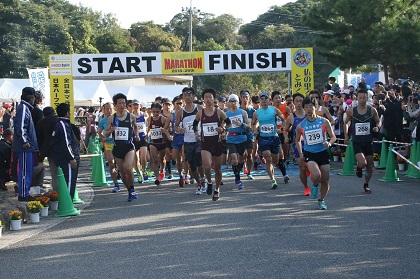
{"x": 36, "y": 112}
{"x": 25, "y": 144}
{"x": 63, "y": 146}
{"x": 44, "y": 130}
{"x": 5, "y": 157}
{"x": 393, "y": 116}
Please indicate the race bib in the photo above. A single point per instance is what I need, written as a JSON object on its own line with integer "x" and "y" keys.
{"x": 267, "y": 128}
{"x": 189, "y": 127}
{"x": 236, "y": 121}
{"x": 156, "y": 133}
{"x": 209, "y": 129}
{"x": 362, "y": 128}
{"x": 314, "y": 137}
{"x": 121, "y": 133}
{"x": 141, "y": 127}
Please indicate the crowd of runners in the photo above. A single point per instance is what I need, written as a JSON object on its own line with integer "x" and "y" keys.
{"x": 196, "y": 137}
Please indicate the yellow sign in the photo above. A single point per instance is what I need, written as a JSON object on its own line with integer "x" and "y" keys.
{"x": 61, "y": 88}
{"x": 302, "y": 70}
{"x": 182, "y": 63}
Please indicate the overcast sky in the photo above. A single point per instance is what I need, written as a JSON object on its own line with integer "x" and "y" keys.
{"x": 162, "y": 11}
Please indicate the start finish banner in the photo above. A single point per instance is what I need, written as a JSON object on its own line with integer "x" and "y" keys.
{"x": 181, "y": 63}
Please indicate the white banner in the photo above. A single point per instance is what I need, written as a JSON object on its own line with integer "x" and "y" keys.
{"x": 150, "y": 64}
{"x": 38, "y": 79}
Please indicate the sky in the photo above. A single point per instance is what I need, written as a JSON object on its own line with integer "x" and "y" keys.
{"x": 162, "y": 11}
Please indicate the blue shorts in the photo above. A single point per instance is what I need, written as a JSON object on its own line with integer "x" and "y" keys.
{"x": 178, "y": 141}
{"x": 271, "y": 144}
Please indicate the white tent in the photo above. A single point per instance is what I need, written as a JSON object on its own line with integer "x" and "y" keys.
{"x": 87, "y": 92}
{"x": 12, "y": 88}
{"x": 147, "y": 94}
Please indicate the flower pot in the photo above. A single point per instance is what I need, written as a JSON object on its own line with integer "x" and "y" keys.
{"x": 34, "y": 217}
{"x": 401, "y": 166}
{"x": 54, "y": 205}
{"x": 342, "y": 159}
{"x": 1, "y": 231}
{"x": 44, "y": 211}
{"x": 35, "y": 190}
{"x": 376, "y": 163}
{"x": 336, "y": 158}
{"x": 15, "y": 224}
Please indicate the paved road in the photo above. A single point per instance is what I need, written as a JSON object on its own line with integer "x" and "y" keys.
{"x": 254, "y": 233}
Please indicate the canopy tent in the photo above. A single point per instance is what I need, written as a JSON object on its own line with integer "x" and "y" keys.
{"x": 88, "y": 92}
{"x": 12, "y": 88}
{"x": 147, "y": 94}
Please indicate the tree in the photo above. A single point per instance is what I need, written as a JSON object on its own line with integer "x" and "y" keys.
{"x": 150, "y": 37}
{"x": 372, "y": 31}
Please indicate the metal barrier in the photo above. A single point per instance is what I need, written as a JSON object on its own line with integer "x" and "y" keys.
{"x": 404, "y": 158}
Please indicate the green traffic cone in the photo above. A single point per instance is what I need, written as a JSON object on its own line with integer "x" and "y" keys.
{"x": 76, "y": 198}
{"x": 349, "y": 161}
{"x": 384, "y": 155}
{"x": 390, "y": 170}
{"x": 98, "y": 171}
{"x": 65, "y": 205}
{"x": 412, "y": 172}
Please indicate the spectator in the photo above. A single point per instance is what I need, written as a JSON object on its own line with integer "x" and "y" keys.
{"x": 44, "y": 131}
{"x": 7, "y": 116}
{"x": 63, "y": 146}
{"x": 5, "y": 157}
{"x": 36, "y": 112}
{"x": 25, "y": 144}
{"x": 332, "y": 85}
{"x": 393, "y": 116}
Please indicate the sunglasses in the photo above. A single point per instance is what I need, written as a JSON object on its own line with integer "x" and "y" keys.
{"x": 232, "y": 100}
{"x": 263, "y": 97}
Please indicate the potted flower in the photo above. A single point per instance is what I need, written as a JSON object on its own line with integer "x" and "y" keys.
{"x": 15, "y": 217}
{"x": 44, "y": 201}
{"x": 343, "y": 156}
{"x": 53, "y": 196}
{"x": 376, "y": 160}
{"x": 34, "y": 207}
{"x": 401, "y": 163}
{"x": 336, "y": 155}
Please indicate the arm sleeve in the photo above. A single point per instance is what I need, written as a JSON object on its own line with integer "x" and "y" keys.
{"x": 195, "y": 125}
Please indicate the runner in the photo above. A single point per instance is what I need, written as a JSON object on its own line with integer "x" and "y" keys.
{"x": 141, "y": 145}
{"x": 237, "y": 137}
{"x": 250, "y": 154}
{"x": 178, "y": 141}
{"x": 122, "y": 126}
{"x": 276, "y": 99}
{"x": 321, "y": 110}
{"x": 158, "y": 128}
{"x": 292, "y": 123}
{"x": 167, "y": 113}
{"x": 314, "y": 129}
{"x": 364, "y": 120}
{"x": 211, "y": 120}
{"x": 269, "y": 141}
{"x": 108, "y": 144}
{"x": 192, "y": 149}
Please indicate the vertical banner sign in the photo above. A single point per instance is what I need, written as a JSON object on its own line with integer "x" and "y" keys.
{"x": 38, "y": 79}
{"x": 302, "y": 70}
{"x": 61, "y": 82}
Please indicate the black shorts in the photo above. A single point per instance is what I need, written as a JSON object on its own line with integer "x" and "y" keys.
{"x": 119, "y": 151}
{"x": 139, "y": 144}
{"x": 214, "y": 148}
{"x": 321, "y": 158}
{"x": 236, "y": 148}
{"x": 364, "y": 148}
{"x": 224, "y": 146}
{"x": 192, "y": 153}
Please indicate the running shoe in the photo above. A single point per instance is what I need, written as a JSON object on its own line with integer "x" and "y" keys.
{"x": 274, "y": 185}
{"x": 203, "y": 188}
{"x": 239, "y": 184}
{"x": 181, "y": 182}
{"x": 209, "y": 188}
{"x": 322, "y": 205}
{"x": 306, "y": 191}
{"x": 132, "y": 195}
{"x": 221, "y": 183}
{"x": 359, "y": 172}
{"x": 198, "y": 191}
{"x": 286, "y": 179}
{"x": 250, "y": 177}
{"x": 116, "y": 189}
{"x": 157, "y": 182}
{"x": 367, "y": 189}
{"x": 161, "y": 175}
{"x": 314, "y": 192}
{"x": 169, "y": 177}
